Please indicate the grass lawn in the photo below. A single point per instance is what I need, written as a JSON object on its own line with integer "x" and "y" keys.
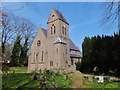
{"x": 18, "y": 70}
{"x": 18, "y": 80}
{"x": 22, "y": 79}
{"x": 95, "y": 84}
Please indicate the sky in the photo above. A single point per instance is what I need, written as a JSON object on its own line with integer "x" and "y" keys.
{"x": 86, "y": 19}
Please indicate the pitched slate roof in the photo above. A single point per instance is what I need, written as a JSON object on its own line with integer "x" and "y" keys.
{"x": 72, "y": 45}
{"x": 60, "y": 16}
{"x": 44, "y": 31}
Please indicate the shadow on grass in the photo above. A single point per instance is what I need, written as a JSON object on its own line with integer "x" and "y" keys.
{"x": 18, "y": 80}
{"x": 28, "y": 84}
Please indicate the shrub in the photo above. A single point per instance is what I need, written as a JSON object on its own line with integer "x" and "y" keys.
{"x": 34, "y": 75}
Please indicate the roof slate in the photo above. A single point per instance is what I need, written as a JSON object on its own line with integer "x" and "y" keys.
{"x": 73, "y": 46}
{"x": 44, "y": 31}
{"x": 60, "y": 16}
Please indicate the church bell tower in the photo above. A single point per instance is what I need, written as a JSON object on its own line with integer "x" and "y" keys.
{"x": 58, "y": 39}
{"x": 57, "y": 25}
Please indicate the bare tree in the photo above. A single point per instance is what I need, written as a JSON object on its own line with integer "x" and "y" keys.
{"x": 27, "y": 29}
{"x": 7, "y": 31}
{"x": 12, "y": 27}
{"x": 24, "y": 28}
{"x": 112, "y": 12}
{"x": 28, "y": 32}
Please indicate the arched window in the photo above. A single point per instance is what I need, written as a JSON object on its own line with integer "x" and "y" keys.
{"x": 51, "y": 30}
{"x": 42, "y": 56}
{"x": 51, "y": 63}
{"x": 37, "y": 57}
{"x": 63, "y": 29}
{"x": 66, "y": 51}
{"x": 54, "y": 29}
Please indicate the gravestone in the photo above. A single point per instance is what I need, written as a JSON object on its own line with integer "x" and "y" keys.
{"x": 90, "y": 78}
{"x": 101, "y": 79}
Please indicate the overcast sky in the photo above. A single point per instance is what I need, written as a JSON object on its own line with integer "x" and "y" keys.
{"x": 85, "y": 19}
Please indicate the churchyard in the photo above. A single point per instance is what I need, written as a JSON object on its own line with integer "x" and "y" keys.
{"x": 18, "y": 77}
{"x": 26, "y": 46}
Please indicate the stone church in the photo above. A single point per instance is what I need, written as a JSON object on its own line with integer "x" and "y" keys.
{"x": 52, "y": 48}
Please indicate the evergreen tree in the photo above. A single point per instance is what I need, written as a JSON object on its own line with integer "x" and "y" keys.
{"x": 87, "y": 55}
{"x": 15, "y": 57}
{"x": 102, "y": 52}
{"x": 23, "y": 55}
{"x": 78, "y": 65}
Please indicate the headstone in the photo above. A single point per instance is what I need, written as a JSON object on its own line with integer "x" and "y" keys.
{"x": 90, "y": 78}
{"x": 77, "y": 79}
{"x": 101, "y": 79}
